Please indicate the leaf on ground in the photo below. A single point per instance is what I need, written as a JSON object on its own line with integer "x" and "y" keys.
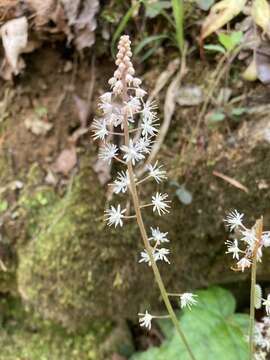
{"x": 66, "y": 161}
{"x": 212, "y": 329}
{"x": 263, "y": 67}
{"x": 15, "y": 37}
{"x": 37, "y": 126}
{"x": 81, "y": 17}
{"x": 250, "y": 74}
{"x": 189, "y": 95}
{"x": 43, "y": 10}
{"x": 260, "y": 12}
{"x": 220, "y": 14}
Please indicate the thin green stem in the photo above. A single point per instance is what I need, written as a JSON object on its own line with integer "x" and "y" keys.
{"x": 136, "y": 202}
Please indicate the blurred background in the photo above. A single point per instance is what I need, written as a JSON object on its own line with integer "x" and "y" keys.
{"x": 70, "y": 288}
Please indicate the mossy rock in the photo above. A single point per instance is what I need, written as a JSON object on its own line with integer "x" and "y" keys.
{"x": 76, "y": 269}
{"x": 24, "y": 336}
{"x": 72, "y": 269}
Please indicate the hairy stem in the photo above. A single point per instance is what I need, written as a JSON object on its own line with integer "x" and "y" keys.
{"x": 259, "y": 230}
{"x": 137, "y": 207}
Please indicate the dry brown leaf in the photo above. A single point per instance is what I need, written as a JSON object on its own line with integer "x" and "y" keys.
{"x": 81, "y": 15}
{"x": 260, "y": 13}
{"x": 66, "y": 161}
{"x": 220, "y": 14}
{"x": 231, "y": 181}
{"x": 42, "y": 10}
{"x": 15, "y": 37}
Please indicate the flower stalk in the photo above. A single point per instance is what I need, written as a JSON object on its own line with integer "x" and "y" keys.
{"x": 124, "y": 108}
{"x": 148, "y": 247}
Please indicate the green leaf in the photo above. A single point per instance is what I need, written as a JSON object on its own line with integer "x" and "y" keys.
{"x": 178, "y": 13}
{"x": 212, "y": 329}
{"x": 3, "y": 206}
{"x": 148, "y": 40}
{"x": 239, "y": 111}
{"x": 154, "y": 9}
{"x": 216, "y": 117}
{"x": 230, "y": 41}
{"x": 217, "y": 48}
{"x": 123, "y": 23}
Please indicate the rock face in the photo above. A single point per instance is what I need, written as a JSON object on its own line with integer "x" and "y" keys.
{"x": 75, "y": 269}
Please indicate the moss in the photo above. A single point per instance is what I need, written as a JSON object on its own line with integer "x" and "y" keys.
{"x": 71, "y": 270}
{"x": 26, "y": 337}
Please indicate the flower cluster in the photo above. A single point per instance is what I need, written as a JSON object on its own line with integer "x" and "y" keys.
{"x": 126, "y": 128}
{"x": 247, "y": 238}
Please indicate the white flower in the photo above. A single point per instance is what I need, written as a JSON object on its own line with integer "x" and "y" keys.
{"x": 159, "y": 203}
{"x": 147, "y": 128}
{"x": 133, "y": 105}
{"x": 233, "y": 248}
{"x": 106, "y": 97}
{"x": 106, "y": 107}
{"x": 100, "y": 129}
{"x": 249, "y": 236}
{"x": 144, "y": 145}
{"x": 145, "y": 257}
{"x": 266, "y": 303}
{"x": 114, "y": 216}
{"x": 121, "y": 182}
{"x": 234, "y": 219}
{"x": 161, "y": 254}
{"x": 158, "y": 236}
{"x": 108, "y": 152}
{"x": 187, "y": 299}
{"x": 115, "y": 118}
{"x": 266, "y": 239}
{"x": 132, "y": 152}
{"x": 147, "y": 112}
{"x": 145, "y": 320}
{"x": 243, "y": 263}
{"x": 156, "y": 172}
{"x": 140, "y": 93}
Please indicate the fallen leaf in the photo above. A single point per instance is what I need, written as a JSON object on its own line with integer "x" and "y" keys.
{"x": 231, "y": 181}
{"x": 189, "y": 95}
{"x": 260, "y": 12}
{"x": 250, "y": 74}
{"x": 220, "y": 14}
{"x": 66, "y": 161}
{"x": 263, "y": 67}
{"x": 81, "y": 15}
{"x": 37, "y": 126}
{"x": 14, "y": 36}
{"x": 42, "y": 10}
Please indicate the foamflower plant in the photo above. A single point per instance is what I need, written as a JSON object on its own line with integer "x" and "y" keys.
{"x": 247, "y": 250}
{"x": 131, "y": 121}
